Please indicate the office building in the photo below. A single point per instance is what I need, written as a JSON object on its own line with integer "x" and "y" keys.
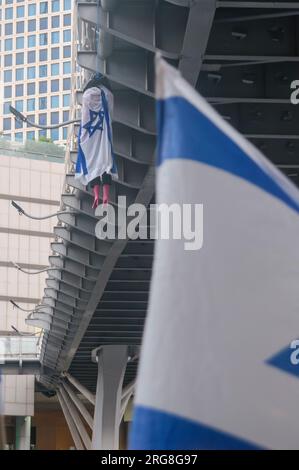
{"x": 36, "y": 66}
{"x": 32, "y": 175}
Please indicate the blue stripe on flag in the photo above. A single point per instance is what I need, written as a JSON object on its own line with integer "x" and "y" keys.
{"x": 186, "y": 133}
{"x": 81, "y": 160}
{"x": 282, "y": 361}
{"x": 154, "y": 430}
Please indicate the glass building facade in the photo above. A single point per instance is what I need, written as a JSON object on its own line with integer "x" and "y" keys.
{"x": 35, "y": 55}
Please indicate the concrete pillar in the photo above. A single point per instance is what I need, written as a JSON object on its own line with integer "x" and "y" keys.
{"x": 23, "y": 432}
{"x": 112, "y": 362}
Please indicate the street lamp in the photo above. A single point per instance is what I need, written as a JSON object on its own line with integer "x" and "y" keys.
{"x": 21, "y": 211}
{"x": 22, "y": 118}
{"x": 33, "y": 272}
{"x": 37, "y": 307}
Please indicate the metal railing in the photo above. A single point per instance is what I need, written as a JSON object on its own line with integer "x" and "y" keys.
{"x": 19, "y": 347}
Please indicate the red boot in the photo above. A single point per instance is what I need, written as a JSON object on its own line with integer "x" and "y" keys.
{"x": 96, "y": 194}
{"x": 106, "y": 189}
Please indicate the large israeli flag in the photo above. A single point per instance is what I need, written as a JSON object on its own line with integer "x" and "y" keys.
{"x": 215, "y": 368}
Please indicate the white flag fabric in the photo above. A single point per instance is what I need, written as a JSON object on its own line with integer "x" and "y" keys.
{"x": 95, "y": 149}
{"x": 215, "y": 369}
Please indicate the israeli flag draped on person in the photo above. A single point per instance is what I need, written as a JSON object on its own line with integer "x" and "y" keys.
{"x": 95, "y": 148}
{"x": 212, "y": 375}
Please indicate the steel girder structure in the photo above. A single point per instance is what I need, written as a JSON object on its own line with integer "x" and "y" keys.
{"x": 242, "y": 56}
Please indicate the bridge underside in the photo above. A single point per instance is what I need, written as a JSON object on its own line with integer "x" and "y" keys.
{"x": 242, "y": 56}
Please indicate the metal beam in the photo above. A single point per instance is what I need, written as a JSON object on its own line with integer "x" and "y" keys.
{"x": 234, "y": 4}
{"x": 144, "y": 197}
{"x": 249, "y": 59}
{"x": 29, "y": 233}
{"x": 81, "y": 407}
{"x": 24, "y": 367}
{"x": 198, "y": 29}
{"x": 22, "y": 300}
{"x": 70, "y": 422}
{"x": 138, "y": 17}
{"x": 128, "y": 389}
{"x": 112, "y": 361}
{"x": 76, "y": 418}
{"x": 85, "y": 392}
{"x": 33, "y": 267}
{"x": 124, "y": 404}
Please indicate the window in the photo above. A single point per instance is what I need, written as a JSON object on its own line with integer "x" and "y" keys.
{"x": 19, "y": 136}
{"x": 19, "y": 90}
{"x": 67, "y": 35}
{"x": 6, "y": 109}
{"x": 30, "y": 57}
{"x": 9, "y": 13}
{"x": 66, "y": 20}
{"x": 19, "y": 74}
{"x": 31, "y": 41}
{"x": 18, "y": 125}
{"x": 30, "y": 135}
{"x": 20, "y": 12}
{"x": 6, "y": 124}
{"x": 67, "y": 51}
{"x": 31, "y": 104}
{"x": 43, "y": 39}
{"x": 67, "y": 4}
{"x": 66, "y": 100}
{"x": 8, "y": 44}
{"x": 66, "y": 115}
{"x": 43, "y": 8}
{"x": 19, "y": 105}
{"x": 66, "y": 67}
{"x": 42, "y": 103}
{"x": 43, "y": 71}
{"x": 55, "y": 117}
{"x": 20, "y": 43}
{"x": 20, "y": 58}
{"x": 54, "y": 101}
{"x": 54, "y": 85}
{"x": 55, "y": 134}
{"x": 7, "y": 76}
{"x": 55, "y": 5}
{"x": 66, "y": 84}
{"x": 42, "y": 133}
{"x": 43, "y": 87}
{"x": 8, "y": 29}
{"x": 43, "y": 23}
{"x": 7, "y": 91}
{"x": 32, "y": 10}
{"x": 31, "y": 73}
{"x": 31, "y": 26}
{"x": 55, "y": 22}
{"x": 42, "y": 119}
{"x": 55, "y": 37}
{"x": 55, "y": 53}
{"x": 64, "y": 133}
{"x": 43, "y": 55}
{"x": 8, "y": 60}
{"x": 31, "y": 88}
{"x": 20, "y": 27}
{"x": 54, "y": 69}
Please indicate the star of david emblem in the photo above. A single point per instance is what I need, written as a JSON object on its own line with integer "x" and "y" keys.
{"x": 95, "y": 122}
